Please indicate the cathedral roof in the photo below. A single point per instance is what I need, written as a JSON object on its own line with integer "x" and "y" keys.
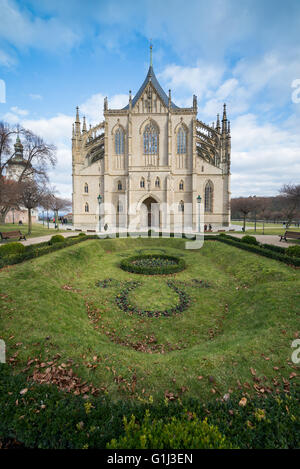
{"x": 151, "y": 78}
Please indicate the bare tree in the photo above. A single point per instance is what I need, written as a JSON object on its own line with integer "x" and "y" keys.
{"x": 58, "y": 203}
{"x": 30, "y": 196}
{"x": 243, "y": 206}
{"x": 46, "y": 203}
{"x": 9, "y": 196}
{"x": 290, "y": 202}
{"x": 38, "y": 156}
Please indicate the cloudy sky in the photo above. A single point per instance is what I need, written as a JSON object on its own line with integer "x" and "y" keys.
{"x": 55, "y": 55}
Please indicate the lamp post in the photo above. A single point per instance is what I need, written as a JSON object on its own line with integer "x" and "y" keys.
{"x": 99, "y": 202}
{"x": 254, "y": 197}
{"x": 199, "y": 204}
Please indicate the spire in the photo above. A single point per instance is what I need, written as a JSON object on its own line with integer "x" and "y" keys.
{"x": 105, "y": 104}
{"x": 228, "y": 129}
{"x": 170, "y": 101}
{"x": 77, "y": 122}
{"x": 218, "y": 127}
{"x": 151, "y": 54}
{"x": 130, "y": 100}
{"x": 18, "y": 148}
{"x": 77, "y": 115}
{"x": 84, "y": 125}
{"x": 195, "y": 102}
{"x": 224, "y": 120}
{"x": 73, "y": 131}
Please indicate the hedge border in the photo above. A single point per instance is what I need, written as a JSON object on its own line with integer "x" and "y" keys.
{"x": 128, "y": 266}
{"x": 272, "y": 252}
{"x": 36, "y": 250}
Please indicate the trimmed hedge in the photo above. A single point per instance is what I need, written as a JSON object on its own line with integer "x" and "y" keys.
{"x": 249, "y": 240}
{"x": 11, "y": 248}
{"x": 44, "y": 417}
{"x": 57, "y": 239}
{"x": 37, "y": 250}
{"x": 129, "y": 266}
{"x": 293, "y": 251}
{"x": 261, "y": 250}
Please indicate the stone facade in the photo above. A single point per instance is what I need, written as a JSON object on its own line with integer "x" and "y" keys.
{"x": 151, "y": 152}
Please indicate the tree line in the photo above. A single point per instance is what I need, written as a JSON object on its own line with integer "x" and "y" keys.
{"x": 284, "y": 207}
{"x": 30, "y": 187}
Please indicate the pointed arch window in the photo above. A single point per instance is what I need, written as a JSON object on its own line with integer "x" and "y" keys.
{"x": 86, "y": 188}
{"x": 181, "y": 206}
{"x": 86, "y": 208}
{"x": 142, "y": 183}
{"x": 208, "y": 199}
{"x": 157, "y": 182}
{"x": 119, "y": 185}
{"x": 119, "y": 142}
{"x": 150, "y": 140}
{"x": 181, "y": 141}
{"x": 181, "y": 185}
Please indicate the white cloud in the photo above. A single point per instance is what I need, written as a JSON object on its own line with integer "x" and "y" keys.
{"x": 264, "y": 157}
{"x": 35, "y": 96}
{"x": 92, "y": 108}
{"x": 195, "y": 80}
{"x": 21, "y": 29}
{"x": 6, "y": 60}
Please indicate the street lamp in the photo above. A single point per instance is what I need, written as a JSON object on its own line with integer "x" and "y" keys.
{"x": 199, "y": 202}
{"x": 99, "y": 202}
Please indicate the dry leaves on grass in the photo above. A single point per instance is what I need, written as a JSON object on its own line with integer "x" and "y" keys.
{"x": 62, "y": 376}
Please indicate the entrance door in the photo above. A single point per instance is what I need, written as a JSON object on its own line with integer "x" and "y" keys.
{"x": 149, "y": 216}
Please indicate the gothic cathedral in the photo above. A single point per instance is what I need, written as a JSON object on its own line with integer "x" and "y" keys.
{"x": 151, "y": 153}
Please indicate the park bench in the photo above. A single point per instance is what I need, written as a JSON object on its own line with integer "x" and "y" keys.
{"x": 12, "y": 234}
{"x": 290, "y": 234}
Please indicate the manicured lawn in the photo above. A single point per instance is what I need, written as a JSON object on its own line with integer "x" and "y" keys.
{"x": 243, "y": 318}
{"x": 37, "y": 229}
{"x": 270, "y": 228}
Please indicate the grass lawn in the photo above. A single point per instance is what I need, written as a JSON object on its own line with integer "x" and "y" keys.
{"x": 270, "y": 228}
{"x": 37, "y": 230}
{"x": 242, "y": 322}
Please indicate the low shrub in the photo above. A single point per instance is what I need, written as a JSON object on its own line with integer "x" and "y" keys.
{"x": 11, "y": 248}
{"x": 293, "y": 251}
{"x": 153, "y": 264}
{"x": 250, "y": 240}
{"x": 82, "y": 234}
{"x": 175, "y": 433}
{"x": 56, "y": 239}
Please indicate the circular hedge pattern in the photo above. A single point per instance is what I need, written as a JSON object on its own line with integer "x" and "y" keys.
{"x": 153, "y": 264}
{"x": 123, "y": 302}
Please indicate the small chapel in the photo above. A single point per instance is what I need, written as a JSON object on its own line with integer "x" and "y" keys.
{"x": 150, "y": 165}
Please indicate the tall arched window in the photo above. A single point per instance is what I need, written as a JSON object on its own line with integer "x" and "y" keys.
{"x": 181, "y": 206}
{"x": 86, "y": 188}
{"x": 150, "y": 140}
{"x": 119, "y": 207}
{"x": 208, "y": 200}
{"x": 119, "y": 185}
{"x": 119, "y": 142}
{"x": 181, "y": 141}
{"x": 181, "y": 185}
{"x": 142, "y": 183}
{"x": 86, "y": 208}
{"x": 157, "y": 182}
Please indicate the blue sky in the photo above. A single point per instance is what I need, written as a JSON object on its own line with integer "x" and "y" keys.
{"x": 55, "y": 55}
